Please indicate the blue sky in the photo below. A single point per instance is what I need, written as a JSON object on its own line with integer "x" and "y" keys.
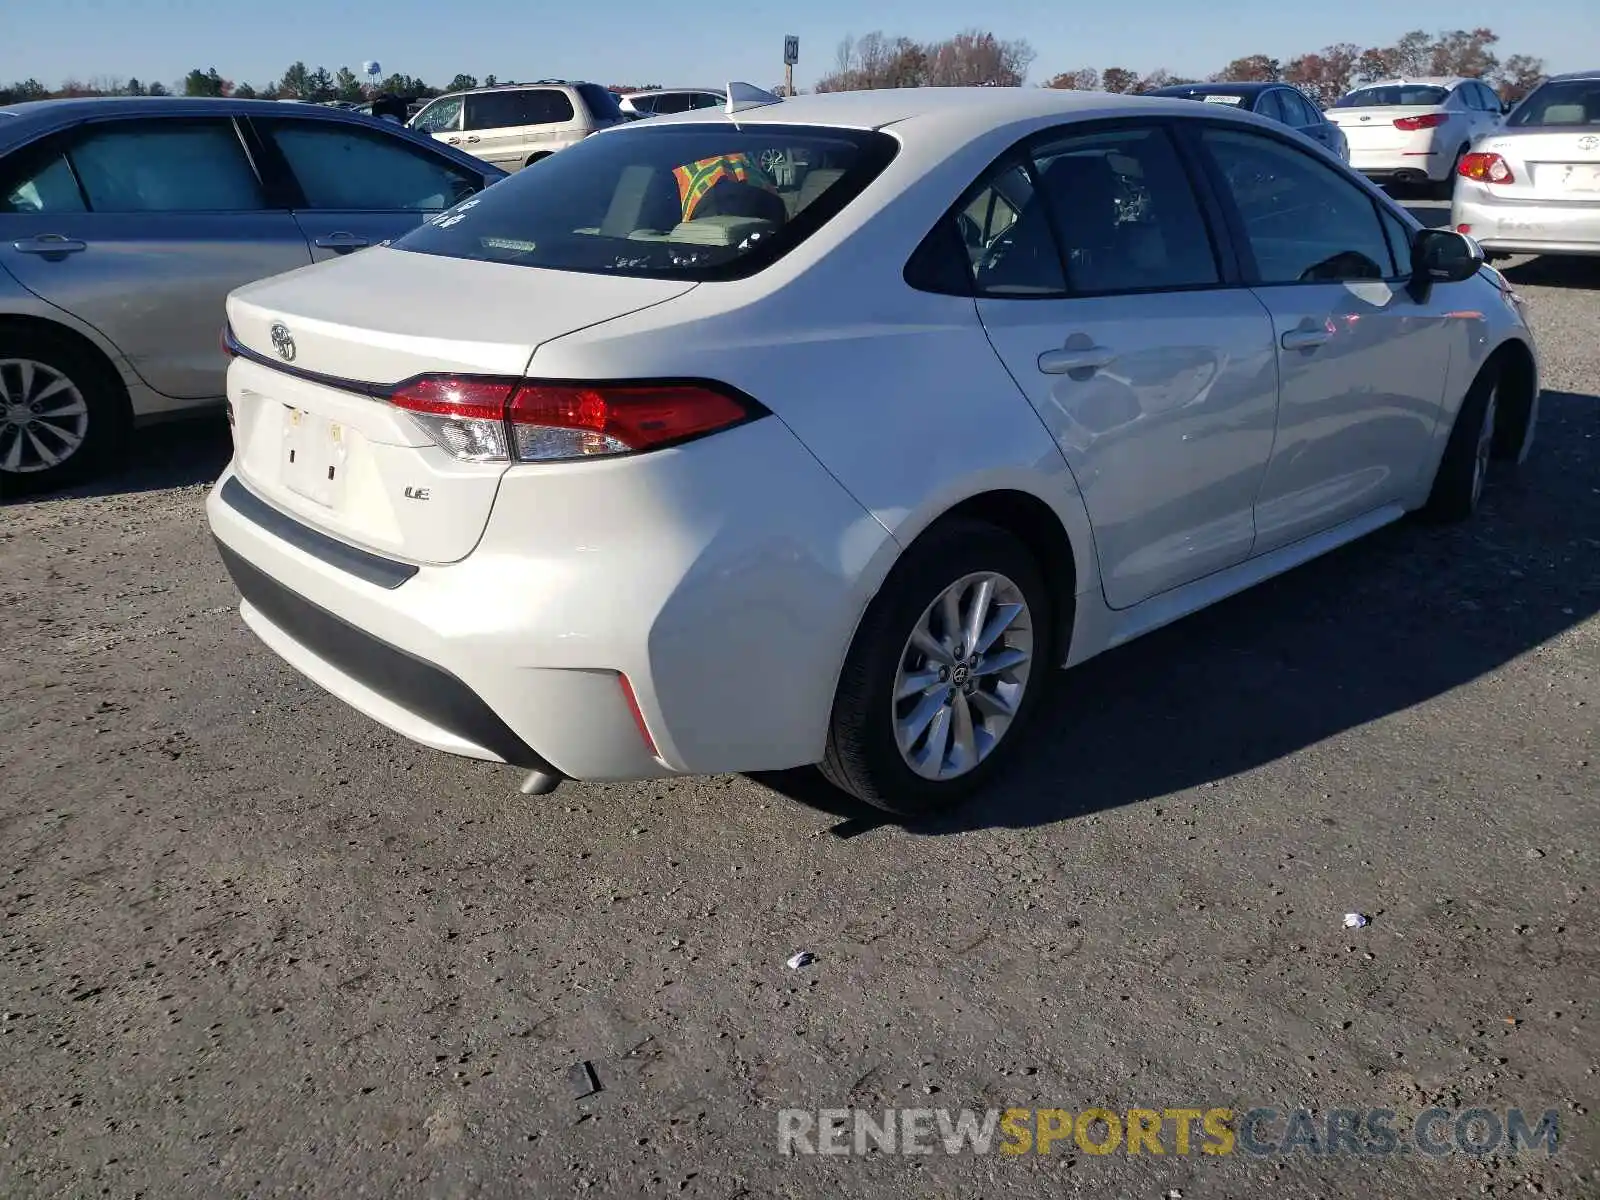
{"x": 738, "y": 39}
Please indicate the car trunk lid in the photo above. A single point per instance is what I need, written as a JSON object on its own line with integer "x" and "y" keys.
{"x": 1556, "y": 165}
{"x": 1375, "y": 129}
{"x": 318, "y": 350}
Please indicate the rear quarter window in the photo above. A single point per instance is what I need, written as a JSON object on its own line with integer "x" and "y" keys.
{"x": 690, "y": 201}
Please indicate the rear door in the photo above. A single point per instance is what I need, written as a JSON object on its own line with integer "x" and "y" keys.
{"x": 353, "y": 187}
{"x": 1301, "y": 114}
{"x": 1361, "y": 365}
{"x": 1155, "y": 374}
{"x": 141, "y": 227}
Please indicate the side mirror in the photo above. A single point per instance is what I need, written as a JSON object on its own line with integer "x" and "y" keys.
{"x": 1442, "y": 256}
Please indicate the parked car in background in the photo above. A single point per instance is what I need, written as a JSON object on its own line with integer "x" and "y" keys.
{"x": 650, "y": 465}
{"x": 1533, "y": 185}
{"x": 1413, "y": 132}
{"x": 125, "y": 222}
{"x": 515, "y": 125}
{"x": 662, "y": 101}
{"x": 1275, "y": 101}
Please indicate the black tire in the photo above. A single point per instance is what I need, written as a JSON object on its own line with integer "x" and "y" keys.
{"x": 104, "y": 435}
{"x": 862, "y": 757}
{"x": 1447, "y": 187}
{"x": 533, "y": 158}
{"x": 1458, "y": 485}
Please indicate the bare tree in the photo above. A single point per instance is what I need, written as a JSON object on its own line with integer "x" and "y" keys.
{"x": 1519, "y": 75}
{"x": 1465, "y": 52}
{"x": 969, "y": 59}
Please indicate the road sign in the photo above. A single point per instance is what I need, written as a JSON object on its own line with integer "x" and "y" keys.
{"x": 791, "y": 50}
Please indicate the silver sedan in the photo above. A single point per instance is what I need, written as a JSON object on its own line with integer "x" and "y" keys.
{"x": 124, "y": 222}
{"x": 1533, "y": 186}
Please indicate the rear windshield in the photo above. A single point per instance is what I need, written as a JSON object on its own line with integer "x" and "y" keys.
{"x": 1561, "y": 104}
{"x": 679, "y": 201}
{"x": 1398, "y": 95}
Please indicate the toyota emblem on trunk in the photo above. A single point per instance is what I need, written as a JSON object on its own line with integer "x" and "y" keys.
{"x": 282, "y": 342}
{"x": 1588, "y": 142}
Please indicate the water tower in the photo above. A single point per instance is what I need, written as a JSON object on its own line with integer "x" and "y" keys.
{"x": 372, "y": 68}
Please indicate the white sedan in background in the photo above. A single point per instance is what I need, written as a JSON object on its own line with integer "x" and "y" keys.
{"x": 1533, "y": 187}
{"x": 651, "y": 465}
{"x": 1414, "y": 132}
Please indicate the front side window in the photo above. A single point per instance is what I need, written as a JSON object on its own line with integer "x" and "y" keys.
{"x": 664, "y": 201}
{"x": 1126, "y": 215}
{"x": 1395, "y": 95}
{"x": 1304, "y": 222}
{"x": 347, "y": 168}
{"x": 1560, "y": 104}
{"x": 708, "y": 100}
{"x": 442, "y": 116}
{"x": 146, "y": 166}
{"x": 671, "y": 104}
{"x": 42, "y": 186}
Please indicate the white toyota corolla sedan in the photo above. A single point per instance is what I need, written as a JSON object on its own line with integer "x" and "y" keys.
{"x": 822, "y": 431}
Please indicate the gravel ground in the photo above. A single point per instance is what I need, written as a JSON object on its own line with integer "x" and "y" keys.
{"x": 252, "y": 944}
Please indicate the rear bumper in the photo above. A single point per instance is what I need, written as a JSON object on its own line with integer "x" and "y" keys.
{"x": 722, "y": 580}
{"x": 1383, "y": 165}
{"x": 1509, "y": 227}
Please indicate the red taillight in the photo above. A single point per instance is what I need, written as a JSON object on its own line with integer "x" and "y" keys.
{"x": 1486, "y": 168}
{"x": 553, "y": 420}
{"x": 501, "y": 420}
{"x": 1463, "y": 228}
{"x": 1422, "y": 121}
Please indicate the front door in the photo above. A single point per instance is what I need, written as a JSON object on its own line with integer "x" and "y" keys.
{"x": 141, "y": 227}
{"x": 1157, "y": 381}
{"x": 1361, "y": 365}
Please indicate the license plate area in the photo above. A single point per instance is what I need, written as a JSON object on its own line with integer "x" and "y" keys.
{"x": 1571, "y": 177}
{"x": 315, "y": 453}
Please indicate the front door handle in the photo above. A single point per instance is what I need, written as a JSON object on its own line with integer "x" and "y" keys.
{"x": 49, "y": 243}
{"x": 1071, "y": 361}
{"x": 454, "y": 141}
{"x": 342, "y": 241}
{"x": 1304, "y": 339}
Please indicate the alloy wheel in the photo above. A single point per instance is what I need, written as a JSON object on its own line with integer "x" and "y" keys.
{"x": 44, "y": 418}
{"x": 962, "y": 674}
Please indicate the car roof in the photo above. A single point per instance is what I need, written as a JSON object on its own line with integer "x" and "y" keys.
{"x": 23, "y": 122}
{"x": 1216, "y": 89}
{"x": 515, "y": 87}
{"x": 677, "y": 91}
{"x": 1594, "y": 74}
{"x": 956, "y": 111}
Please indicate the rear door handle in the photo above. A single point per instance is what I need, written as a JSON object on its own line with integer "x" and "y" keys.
{"x": 1304, "y": 339}
{"x": 49, "y": 243}
{"x": 474, "y": 138}
{"x": 342, "y": 241}
{"x": 1068, "y": 362}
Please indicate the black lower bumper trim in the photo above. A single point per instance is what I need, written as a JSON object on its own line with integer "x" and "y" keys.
{"x": 373, "y": 568}
{"x": 433, "y": 694}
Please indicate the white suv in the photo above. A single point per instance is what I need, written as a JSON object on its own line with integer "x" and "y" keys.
{"x": 515, "y": 125}
{"x": 1414, "y": 131}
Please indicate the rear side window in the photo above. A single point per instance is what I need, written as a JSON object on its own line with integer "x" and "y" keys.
{"x": 1126, "y": 215}
{"x": 344, "y": 167}
{"x": 1561, "y": 104}
{"x": 165, "y": 166}
{"x": 602, "y": 105}
{"x": 708, "y": 100}
{"x": 508, "y": 110}
{"x": 665, "y": 201}
{"x": 1397, "y": 95}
